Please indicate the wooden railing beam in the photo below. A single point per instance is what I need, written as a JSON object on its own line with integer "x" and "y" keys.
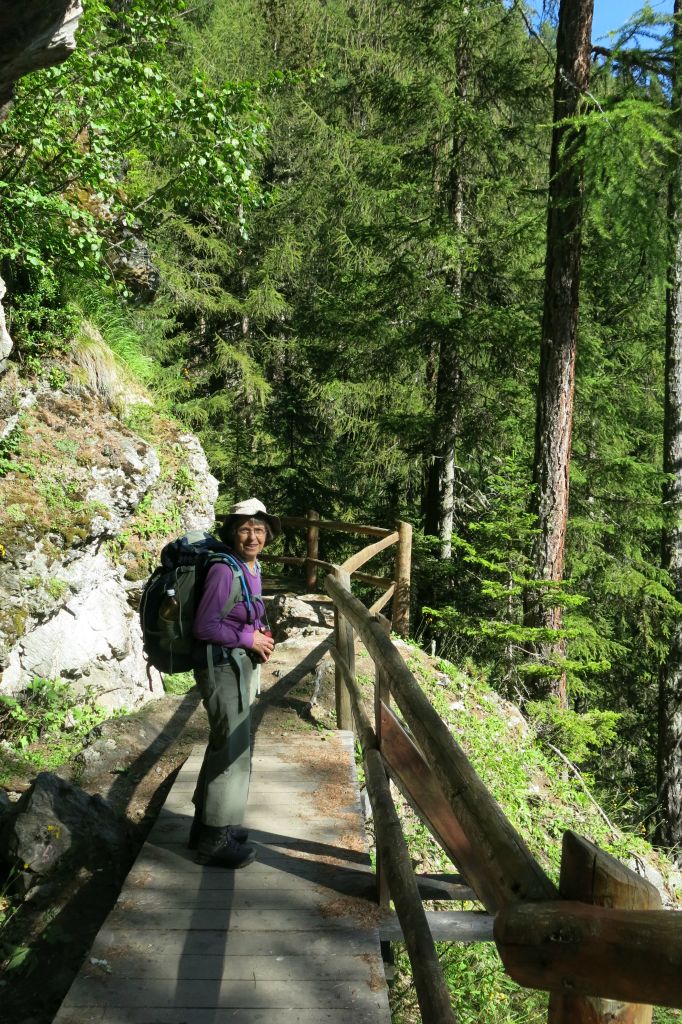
{"x": 495, "y": 859}
{"x": 591, "y": 875}
{"x": 345, "y": 644}
{"x": 400, "y": 618}
{"x": 633, "y": 956}
{"x": 336, "y": 527}
{"x": 432, "y": 992}
{"x": 360, "y": 557}
{"x": 312, "y": 550}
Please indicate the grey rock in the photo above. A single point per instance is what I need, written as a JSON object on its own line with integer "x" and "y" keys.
{"x": 33, "y": 36}
{"x": 290, "y": 616}
{"x": 55, "y": 820}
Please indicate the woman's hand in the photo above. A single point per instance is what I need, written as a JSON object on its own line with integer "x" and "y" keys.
{"x": 262, "y": 644}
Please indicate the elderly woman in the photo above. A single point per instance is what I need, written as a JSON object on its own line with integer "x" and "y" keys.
{"x": 231, "y": 625}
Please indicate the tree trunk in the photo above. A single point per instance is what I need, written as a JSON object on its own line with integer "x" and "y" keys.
{"x": 670, "y": 695}
{"x": 441, "y": 477}
{"x": 554, "y": 414}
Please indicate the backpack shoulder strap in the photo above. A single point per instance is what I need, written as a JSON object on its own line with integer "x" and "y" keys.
{"x": 239, "y": 591}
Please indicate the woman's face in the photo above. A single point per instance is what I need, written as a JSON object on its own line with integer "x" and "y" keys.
{"x": 249, "y": 540}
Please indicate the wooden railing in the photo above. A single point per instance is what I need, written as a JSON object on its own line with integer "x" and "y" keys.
{"x": 395, "y": 588}
{"x": 600, "y": 944}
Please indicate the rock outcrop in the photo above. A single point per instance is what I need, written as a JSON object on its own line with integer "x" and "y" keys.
{"x": 54, "y": 820}
{"x": 86, "y": 504}
{"x": 32, "y": 36}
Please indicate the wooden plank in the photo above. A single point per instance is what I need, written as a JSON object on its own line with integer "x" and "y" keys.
{"x": 445, "y": 926}
{"x": 312, "y": 549}
{"x": 593, "y": 876}
{"x": 492, "y": 855}
{"x": 293, "y": 937}
{"x": 310, "y": 993}
{"x": 217, "y": 942}
{"x": 374, "y": 581}
{"x": 628, "y": 955}
{"x": 153, "y": 965}
{"x": 168, "y": 1015}
{"x": 432, "y": 889}
{"x": 418, "y": 783}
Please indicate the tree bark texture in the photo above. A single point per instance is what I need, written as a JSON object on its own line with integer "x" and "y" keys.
{"x": 554, "y": 413}
{"x": 670, "y": 696}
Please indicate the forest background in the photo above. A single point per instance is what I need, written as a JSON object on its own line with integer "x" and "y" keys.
{"x": 340, "y": 213}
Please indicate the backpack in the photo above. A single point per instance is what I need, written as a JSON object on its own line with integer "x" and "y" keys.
{"x": 169, "y": 646}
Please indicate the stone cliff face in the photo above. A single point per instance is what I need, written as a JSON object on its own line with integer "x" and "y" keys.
{"x": 32, "y": 36}
{"x": 86, "y": 503}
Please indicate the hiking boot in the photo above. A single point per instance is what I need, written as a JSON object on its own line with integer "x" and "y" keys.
{"x": 217, "y": 848}
{"x": 238, "y": 832}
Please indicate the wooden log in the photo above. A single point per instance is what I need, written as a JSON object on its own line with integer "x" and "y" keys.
{"x": 382, "y": 697}
{"x": 363, "y": 726}
{"x": 337, "y": 527}
{"x": 360, "y": 557}
{"x": 631, "y": 956}
{"x": 445, "y": 926}
{"x": 420, "y": 787}
{"x": 432, "y": 992}
{"x": 312, "y": 550}
{"x": 374, "y": 581}
{"x": 492, "y": 855}
{"x": 345, "y": 644}
{"x": 591, "y": 875}
{"x": 400, "y": 618}
{"x": 282, "y": 559}
{"x": 382, "y": 601}
{"x": 320, "y": 563}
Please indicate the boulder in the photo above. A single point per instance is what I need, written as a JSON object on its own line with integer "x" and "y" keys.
{"x": 290, "y": 616}
{"x": 53, "y": 821}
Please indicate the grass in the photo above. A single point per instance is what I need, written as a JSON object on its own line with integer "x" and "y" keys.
{"x": 540, "y": 798}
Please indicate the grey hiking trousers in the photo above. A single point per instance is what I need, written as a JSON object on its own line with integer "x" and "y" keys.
{"x": 227, "y": 694}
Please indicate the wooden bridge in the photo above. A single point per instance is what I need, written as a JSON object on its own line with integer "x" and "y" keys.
{"x": 296, "y": 937}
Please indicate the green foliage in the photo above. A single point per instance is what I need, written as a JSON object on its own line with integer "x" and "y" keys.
{"x": 47, "y": 722}
{"x": 577, "y": 735}
{"x": 67, "y": 195}
{"x": 178, "y": 684}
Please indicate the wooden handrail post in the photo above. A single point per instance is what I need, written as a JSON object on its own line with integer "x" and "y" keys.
{"x": 590, "y": 875}
{"x": 382, "y": 694}
{"x": 400, "y": 615}
{"x": 345, "y": 644}
{"x": 312, "y": 550}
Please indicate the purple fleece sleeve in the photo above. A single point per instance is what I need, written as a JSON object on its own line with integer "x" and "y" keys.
{"x": 234, "y": 631}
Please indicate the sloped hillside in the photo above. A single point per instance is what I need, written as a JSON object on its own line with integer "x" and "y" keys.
{"x": 543, "y": 795}
{"x": 93, "y": 480}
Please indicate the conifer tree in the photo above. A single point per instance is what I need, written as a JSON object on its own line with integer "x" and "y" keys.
{"x": 670, "y": 701}
{"x": 554, "y": 419}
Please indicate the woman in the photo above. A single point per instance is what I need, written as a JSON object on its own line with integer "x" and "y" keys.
{"x": 231, "y": 625}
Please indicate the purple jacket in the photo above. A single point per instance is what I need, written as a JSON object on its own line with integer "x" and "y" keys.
{"x": 235, "y": 630}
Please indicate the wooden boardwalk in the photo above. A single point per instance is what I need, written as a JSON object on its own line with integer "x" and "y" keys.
{"x": 291, "y": 939}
